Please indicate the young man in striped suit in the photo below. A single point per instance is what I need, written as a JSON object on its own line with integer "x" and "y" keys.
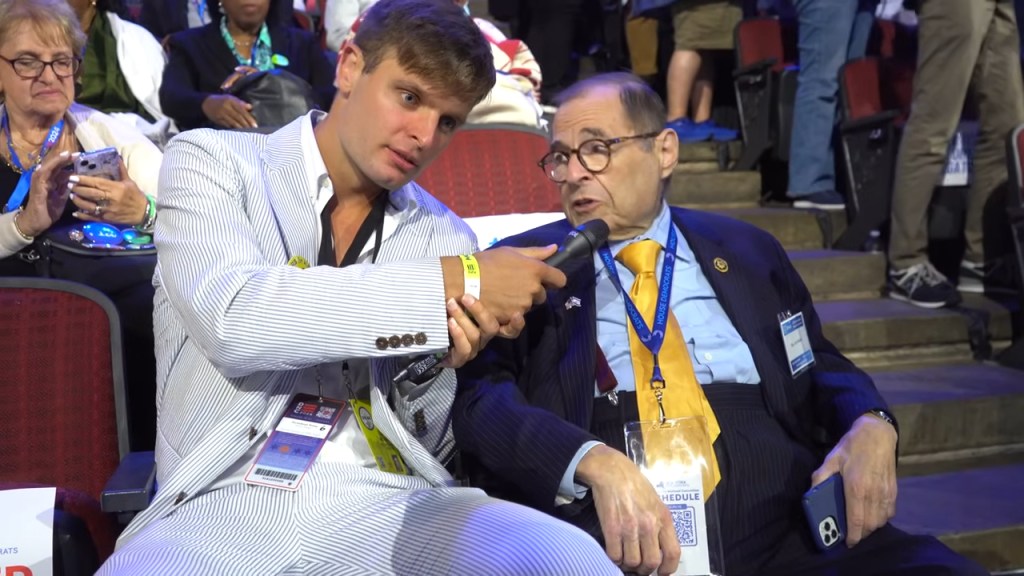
{"x": 298, "y": 273}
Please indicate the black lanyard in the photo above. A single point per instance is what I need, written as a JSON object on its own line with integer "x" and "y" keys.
{"x": 374, "y": 223}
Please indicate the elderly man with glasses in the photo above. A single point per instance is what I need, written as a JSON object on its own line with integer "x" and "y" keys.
{"x": 540, "y": 419}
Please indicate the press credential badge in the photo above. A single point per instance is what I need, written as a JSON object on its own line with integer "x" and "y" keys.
{"x": 798, "y": 344}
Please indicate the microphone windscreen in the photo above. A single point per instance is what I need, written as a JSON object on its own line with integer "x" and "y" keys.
{"x": 582, "y": 241}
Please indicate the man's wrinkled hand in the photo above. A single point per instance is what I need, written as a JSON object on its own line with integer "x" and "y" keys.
{"x": 866, "y": 458}
{"x": 637, "y": 526}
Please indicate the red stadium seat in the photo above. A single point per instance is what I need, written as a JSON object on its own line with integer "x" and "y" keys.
{"x": 63, "y": 419}
{"x": 492, "y": 169}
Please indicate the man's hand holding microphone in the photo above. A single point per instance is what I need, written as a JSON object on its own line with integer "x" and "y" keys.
{"x": 510, "y": 282}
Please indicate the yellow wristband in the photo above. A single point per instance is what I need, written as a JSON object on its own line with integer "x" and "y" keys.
{"x": 471, "y": 269}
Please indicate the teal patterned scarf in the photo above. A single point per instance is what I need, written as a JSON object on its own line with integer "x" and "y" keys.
{"x": 262, "y": 52}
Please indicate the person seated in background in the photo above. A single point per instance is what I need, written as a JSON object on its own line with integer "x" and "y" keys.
{"x": 515, "y": 98}
{"x": 339, "y": 16}
{"x": 122, "y": 68}
{"x": 246, "y": 33}
{"x": 535, "y": 422}
{"x": 165, "y": 17}
{"x": 42, "y": 126}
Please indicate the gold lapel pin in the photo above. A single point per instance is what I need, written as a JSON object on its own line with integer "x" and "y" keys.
{"x": 721, "y": 265}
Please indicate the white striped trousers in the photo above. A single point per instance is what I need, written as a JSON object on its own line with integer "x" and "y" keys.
{"x": 348, "y": 520}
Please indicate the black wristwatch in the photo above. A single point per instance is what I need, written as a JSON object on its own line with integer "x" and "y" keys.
{"x": 886, "y": 416}
{"x": 426, "y": 376}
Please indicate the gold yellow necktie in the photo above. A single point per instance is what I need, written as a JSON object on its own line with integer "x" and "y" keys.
{"x": 682, "y": 395}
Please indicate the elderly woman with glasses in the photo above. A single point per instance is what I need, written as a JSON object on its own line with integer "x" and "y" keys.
{"x": 41, "y": 128}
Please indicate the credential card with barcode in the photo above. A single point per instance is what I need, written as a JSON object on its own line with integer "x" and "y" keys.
{"x": 295, "y": 442}
{"x": 685, "y": 501}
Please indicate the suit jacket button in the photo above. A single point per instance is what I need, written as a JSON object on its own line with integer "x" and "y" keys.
{"x": 420, "y": 338}
{"x": 179, "y": 498}
{"x": 407, "y": 340}
{"x": 395, "y": 341}
{"x": 382, "y": 343}
{"x": 252, "y": 434}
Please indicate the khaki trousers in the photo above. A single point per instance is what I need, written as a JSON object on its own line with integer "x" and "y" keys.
{"x": 642, "y": 39}
{"x": 963, "y": 44}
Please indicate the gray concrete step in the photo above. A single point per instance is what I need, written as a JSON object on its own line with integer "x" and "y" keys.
{"x": 946, "y": 462}
{"x": 958, "y": 412}
{"x": 795, "y": 229}
{"x": 840, "y": 275}
{"x": 698, "y": 152}
{"x": 883, "y": 331}
{"x": 714, "y": 189}
{"x": 978, "y": 512}
{"x": 697, "y": 168}
{"x": 1000, "y": 318}
{"x": 883, "y": 323}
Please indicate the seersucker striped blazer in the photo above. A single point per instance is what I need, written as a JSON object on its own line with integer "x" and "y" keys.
{"x": 237, "y": 328}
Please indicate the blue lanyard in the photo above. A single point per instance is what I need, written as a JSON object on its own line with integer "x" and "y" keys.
{"x": 652, "y": 339}
{"x": 21, "y": 190}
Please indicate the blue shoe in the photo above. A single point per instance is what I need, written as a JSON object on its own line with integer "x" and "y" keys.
{"x": 827, "y": 200}
{"x": 922, "y": 285}
{"x": 719, "y": 134}
{"x": 689, "y": 131}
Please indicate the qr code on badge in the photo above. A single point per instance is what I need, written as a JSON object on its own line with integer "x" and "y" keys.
{"x": 684, "y": 520}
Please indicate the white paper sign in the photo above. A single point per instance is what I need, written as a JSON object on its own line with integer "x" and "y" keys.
{"x": 26, "y": 532}
{"x": 685, "y": 500}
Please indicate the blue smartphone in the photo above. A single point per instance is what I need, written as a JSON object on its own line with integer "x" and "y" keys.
{"x": 825, "y": 508}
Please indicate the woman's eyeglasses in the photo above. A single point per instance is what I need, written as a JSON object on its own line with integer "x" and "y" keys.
{"x": 31, "y": 68}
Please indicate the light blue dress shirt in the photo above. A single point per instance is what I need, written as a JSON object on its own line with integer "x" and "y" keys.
{"x": 716, "y": 349}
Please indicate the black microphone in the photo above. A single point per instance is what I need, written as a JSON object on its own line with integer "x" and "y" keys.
{"x": 581, "y": 241}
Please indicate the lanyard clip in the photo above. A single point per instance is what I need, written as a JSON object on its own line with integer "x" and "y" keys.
{"x": 658, "y": 394}
{"x": 613, "y": 398}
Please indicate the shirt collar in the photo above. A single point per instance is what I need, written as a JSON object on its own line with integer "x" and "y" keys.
{"x": 402, "y": 203}
{"x": 658, "y": 231}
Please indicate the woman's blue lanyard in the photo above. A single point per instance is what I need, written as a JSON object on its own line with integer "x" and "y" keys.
{"x": 21, "y": 190}
{"x": 652, "y": 339}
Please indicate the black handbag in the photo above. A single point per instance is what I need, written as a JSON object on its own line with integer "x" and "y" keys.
{"x": 277, "y": 96}
{"x": 107, "y": 257}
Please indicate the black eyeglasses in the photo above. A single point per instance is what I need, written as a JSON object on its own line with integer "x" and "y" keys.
{"x": 594, "y": 155}
{"x": 31, "y": 68}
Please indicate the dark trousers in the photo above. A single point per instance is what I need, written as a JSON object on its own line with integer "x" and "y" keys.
{"x": 764, "y": 474}
{"x": 73, "y": 551}
{"x": 549, "y": 34}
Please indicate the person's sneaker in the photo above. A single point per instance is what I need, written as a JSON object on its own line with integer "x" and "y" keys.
{"x": 717, "y": 133}
{"x": 689, "y": 131}
{"x": 827, "y": 200}
{"x": 922, "y": 285}
{"x": 995, "y": 277}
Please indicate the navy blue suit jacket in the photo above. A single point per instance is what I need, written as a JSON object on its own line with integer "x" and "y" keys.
{"x": 524, "y": 406}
